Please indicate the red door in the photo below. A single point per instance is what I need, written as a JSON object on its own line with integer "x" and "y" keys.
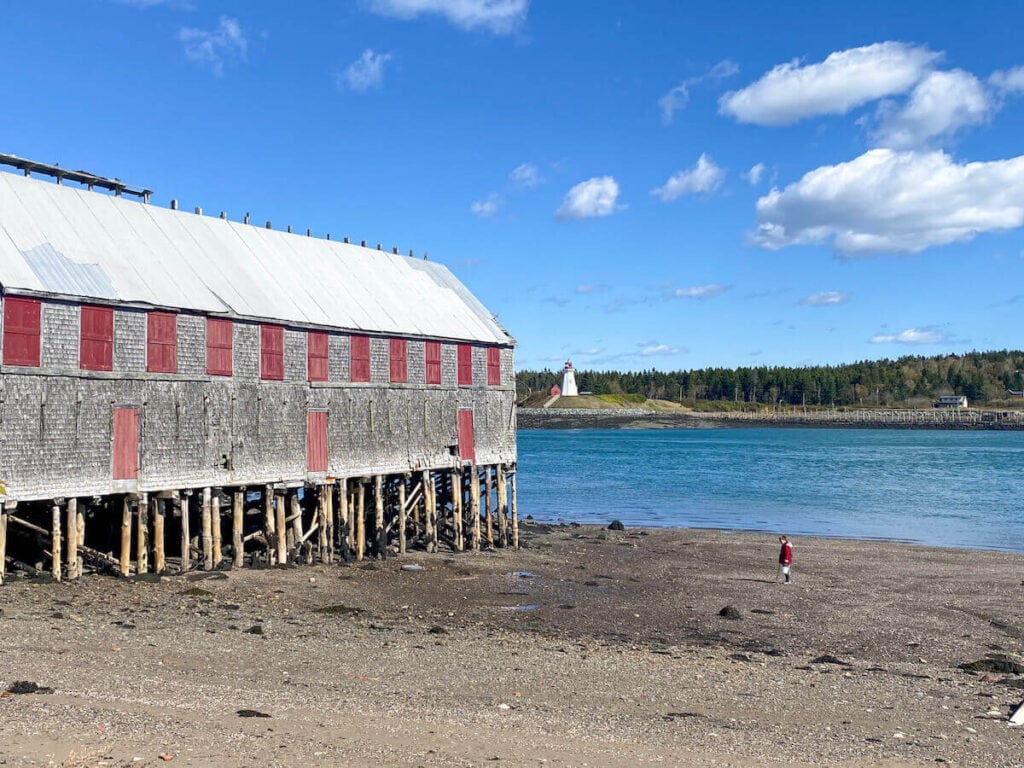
{"x": 316, "y": 441}
{"x": 467, "y": 447}
{"x": 126, "y": 443}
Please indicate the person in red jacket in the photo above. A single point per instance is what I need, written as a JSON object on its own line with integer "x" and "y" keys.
{"x": 786, "y": 558}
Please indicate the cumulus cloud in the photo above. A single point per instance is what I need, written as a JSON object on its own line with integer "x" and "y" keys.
{"x": 502, "y": 17}
{"x": 364, "y": 73}
{"x": 700, "y": 291}
{"x": 824, "y": 299}
{"x": 214, "y": 47}
{"x": 910, "y": 336}
{"x": 1008, "y": 80}
{"x": 704, "y": 176}
{"x": 844, "y": 80}
{"x": 677, "y": 99}
{"x": 939, "y": 105}
{"x": 486, "y": 208}
{"x": 590, "y": 199}
{"x": 893, "y": 201}
{"x": 755, "y": 174}
{"x": 526, "y": 175}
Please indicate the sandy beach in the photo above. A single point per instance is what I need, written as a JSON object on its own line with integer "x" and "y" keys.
{"x": 587, "y": 647}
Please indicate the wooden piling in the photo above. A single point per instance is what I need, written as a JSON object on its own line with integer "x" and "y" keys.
{"x": 403, "y": 515}
{"x": 159, "y": 510}
{"x": 55, "y": 565}
{"x": 515, "y": 512}
{"x": 5, "y": 508}
{"x": 141, "y": 531}
{"x": 80, "y": 534}
{"x": 457, "y": 509}
{"x": 215, "y": 519}
{"x": 207, "y": 528}
{"x": 488, "y": 490}
{"x": 295, "y": 513}
{"x": 71, "y": 527}
{"x": 282, "y": 544}
{"x": 361, "y": 521}
{"x": 270, "y": 526}
{"x": 327, "y": 501}
{"x": 182, "y": 502}
{"x": 379, "y": 537}
{"x": 502, "y": 508}
{"x": 126, "y": 536}
{"x": 474, "y": 506}
{"x": 237, "y": 526}
{"x": 344, "y": 524}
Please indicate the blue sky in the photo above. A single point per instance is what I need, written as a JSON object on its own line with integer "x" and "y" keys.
{"x": 632, "y": 185}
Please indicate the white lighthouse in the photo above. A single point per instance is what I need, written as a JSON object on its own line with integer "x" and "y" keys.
{"x": 569, "y": 381}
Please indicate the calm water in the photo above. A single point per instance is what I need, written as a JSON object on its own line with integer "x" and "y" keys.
{"x": 954, "y": 488}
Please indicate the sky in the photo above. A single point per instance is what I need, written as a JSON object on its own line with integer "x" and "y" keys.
{"x": 628, "y": 185}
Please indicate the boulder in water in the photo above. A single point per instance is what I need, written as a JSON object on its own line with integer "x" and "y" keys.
{"x": 616, "y": 525}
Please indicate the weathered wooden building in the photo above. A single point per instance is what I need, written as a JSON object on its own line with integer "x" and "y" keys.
{"x": 186, "y": 388}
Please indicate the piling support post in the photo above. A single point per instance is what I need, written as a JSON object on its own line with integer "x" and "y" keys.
{"x": 457, "y": 509}
{"x": 488, "y": 491}
{"x": 474, "y": 505}
{"x": 327, "y": 501}
{"x": 344, "y": 521}
{"x": 126, "y": 535}
{"x": 71, "y": 527}
{"x": 159, "y": 510}
{"x": 55, "y": 564}
{"x": 141, "y": 537}
{"x": 5, "y": 509}
{"x": 215, "y": 520}
{"x": 515, "y": 512}
{"x": 237, "y": 525}
{"x": 269, "y": 522}
{"x": 379, "y": 536}
{"x": 502, "y": 508}
{"x": 403, "y": 514}
{"x": 207, "y": 530}
{"x": 282, "y": 544}
{"x": 295, "y": 513}
{"x": 182, "y": 502}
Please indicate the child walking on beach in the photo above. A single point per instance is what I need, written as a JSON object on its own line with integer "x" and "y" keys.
{"x": 785, "y": 558}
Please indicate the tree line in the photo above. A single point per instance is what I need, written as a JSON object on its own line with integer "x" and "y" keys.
{"x": 984, "y": 377}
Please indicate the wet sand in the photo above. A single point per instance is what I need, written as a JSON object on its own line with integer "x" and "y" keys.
{"x": 611, "y": 653}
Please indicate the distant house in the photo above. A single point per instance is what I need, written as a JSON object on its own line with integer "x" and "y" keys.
{"x": 951, "y": 401}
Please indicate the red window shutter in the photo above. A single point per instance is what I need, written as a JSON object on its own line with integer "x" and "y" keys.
{"x": 433, "y": 356}
{"x": 316, "y": 355}
{"x": 272, "y": 352}
{"x": 465, "y": 365}
{"x": 493, "y": 366}
{"x": 359, "y": 358}
{"x": 316, "y": 441}
{"x": 467, "y": 445}
{"x": 96, "y": 350}
{"x": 162, "y": 342}
{"x": 218, "y": 346}
{"x": 126, "y": 444}
{"x": 21, "y": 331}
{"x": 399, "y": 361}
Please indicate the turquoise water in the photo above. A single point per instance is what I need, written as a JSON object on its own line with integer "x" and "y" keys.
{"x": 944, "y": 488}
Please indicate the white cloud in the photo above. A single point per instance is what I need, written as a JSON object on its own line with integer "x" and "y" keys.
{"x": 214, "y": 47}
{"x": 677, "y": 99}
{"x": 939, "y": 105}
{"x": 1008, "y": 80}
{"x": 844, "y": 80}
{"x": 484, "y": 209}
{"x": 894, "y": 201}
{"x": 179, "y": 4}
{"x": 700, "y": 291}
{"x": 502, "y": 17}
{"x": 910, "y": 336}
{"x": 705, "y": 176}
{"x": 588, "y": 288}
{"x": 526, "y": 175}
{"x": 364, "y": 73}
{"x": 825, "y": 298}
{"x": 590, "y": 199}
{"x": 755, "y": 174}
{"x": 653, "y": 348}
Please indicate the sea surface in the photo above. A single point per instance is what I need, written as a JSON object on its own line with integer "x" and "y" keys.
{"x": 935, "y": 487}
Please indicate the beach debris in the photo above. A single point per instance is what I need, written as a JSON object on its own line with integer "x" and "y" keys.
{"x": 166, "y": 757}
{"x": 524, "y": 575}
{"x": 437, "y": 630}
{"x": 338, "y": 610}
{"x": 730, "y": 612}
{"x": 1017, "y": 718}
{"x": 251, "y": 713}
{"x": 828, "y": 658}
{"x": 255, "y": 629}
{"x": 412, "y": 567}
{"x": 616, "y": 525}
{"x": 504, "y": 706}
{"x": 996, "y": 662}
{"x": 197, "y": 592}
{"x": 27, "y": 686}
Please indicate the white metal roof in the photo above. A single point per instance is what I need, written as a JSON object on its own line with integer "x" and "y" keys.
{"x": 67, "y": 242}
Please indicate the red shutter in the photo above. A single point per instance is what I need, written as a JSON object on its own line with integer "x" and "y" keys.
{"x": 465, "y": 365}
{"x": 162, "y": 342}
{"x": 272, "y": 352}
{"x": 21, "y": 331}
{"x": 467, "y": 445}
{"x": 359, "y": 358}
{"x": 433, "y": 355}
{"x": 218, "y": 346}
{"x": 96, "y": 351}
{"x": 399, "y": 361}
{"x": 316, "y": 355}
{"x": 493, "y": 366}
{"x": 126, "y": 444}
{"x": 316, "y": 441}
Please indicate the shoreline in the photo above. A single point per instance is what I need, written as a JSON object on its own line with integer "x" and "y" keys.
{"x": 586, "y": 646}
